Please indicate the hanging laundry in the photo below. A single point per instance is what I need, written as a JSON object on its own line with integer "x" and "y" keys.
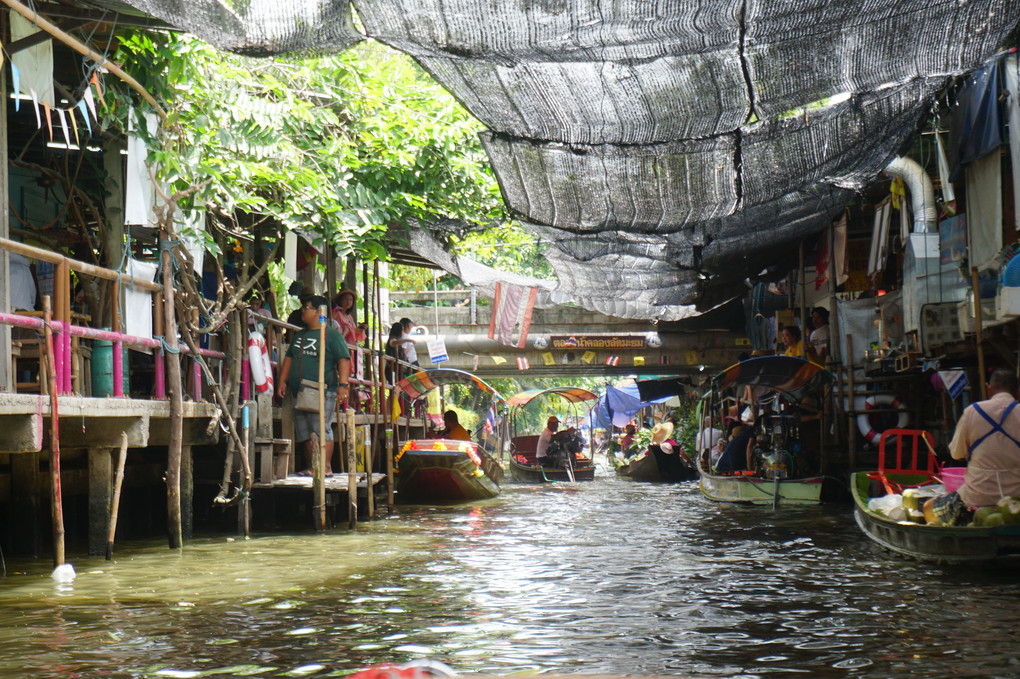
{"x": 976, "y": 129}
{"x": 139, "y": 190}
{"x": 34, "y": 64}
{"x": 512, "y": 308}
{"x": 1013, "y": 114}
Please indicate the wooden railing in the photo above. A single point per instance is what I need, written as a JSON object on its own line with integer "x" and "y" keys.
{"x": 64, "y": 330}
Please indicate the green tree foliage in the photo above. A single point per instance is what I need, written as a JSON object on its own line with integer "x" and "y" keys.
{"x": 341, "y": 146}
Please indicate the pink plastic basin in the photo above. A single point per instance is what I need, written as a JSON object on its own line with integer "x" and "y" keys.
{"x": 952, "y": 477}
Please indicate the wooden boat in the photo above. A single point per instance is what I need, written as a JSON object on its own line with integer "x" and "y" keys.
{"x": 656, "y": 466}
{"x": 445, "y": 470}
{"x": 779, "y": 477}
{"x": 524, "y": 468}
{"x": 573, "y": 463}
{"x": 938, "y": 544}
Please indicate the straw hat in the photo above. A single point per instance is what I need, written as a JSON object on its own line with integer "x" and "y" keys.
{"x": 553, "y": 419}
{"x": 661, "y": 432}
{"x": 346, "y": 291}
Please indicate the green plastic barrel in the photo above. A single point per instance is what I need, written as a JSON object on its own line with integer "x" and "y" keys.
{"x": 102, "y": 368}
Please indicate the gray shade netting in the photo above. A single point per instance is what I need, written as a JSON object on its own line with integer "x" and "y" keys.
{"x": 659, "y": 146}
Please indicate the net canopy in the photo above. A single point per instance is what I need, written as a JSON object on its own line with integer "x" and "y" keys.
{"x": 666, "y": 150}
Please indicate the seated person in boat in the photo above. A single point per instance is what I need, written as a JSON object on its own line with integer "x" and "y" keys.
{"x": 738, "y": 454}
{"x": 627, "y": 446}
{"x": 453, "y": 430}
{"x": 708, "y": 437}
{"x": 544, "y": 439}
{"x": 988, "y": 437}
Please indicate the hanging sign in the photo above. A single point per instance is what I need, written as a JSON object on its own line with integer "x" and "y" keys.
{"x": 437, "y": 351}
{"x": 954, "y": 381}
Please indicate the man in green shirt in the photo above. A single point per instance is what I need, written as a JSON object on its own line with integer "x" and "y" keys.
{"x": 305, "y": 349}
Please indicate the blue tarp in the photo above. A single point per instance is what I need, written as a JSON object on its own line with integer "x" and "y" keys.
{"x": 618, "y": 406}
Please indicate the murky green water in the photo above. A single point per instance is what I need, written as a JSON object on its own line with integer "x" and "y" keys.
{"x": 609, "y": 577}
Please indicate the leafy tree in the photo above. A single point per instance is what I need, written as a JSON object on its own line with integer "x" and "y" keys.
{"x": 341, "y": 146}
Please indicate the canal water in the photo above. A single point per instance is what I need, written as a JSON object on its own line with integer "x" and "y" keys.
{"x": 610, "y": 577}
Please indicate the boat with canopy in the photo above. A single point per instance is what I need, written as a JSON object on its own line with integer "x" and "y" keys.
{"x": 774, "y": 406}
{"x": 447, "y": 470}
{"x": 570, "y": 458}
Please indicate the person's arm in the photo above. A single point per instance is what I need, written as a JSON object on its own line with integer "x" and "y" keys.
{"x": 281, "y": 388}
{"x": 343, "y": 389}
{"x": 959, "y": 446}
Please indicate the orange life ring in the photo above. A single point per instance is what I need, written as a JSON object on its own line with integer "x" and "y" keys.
{"x": 258, "y": 360}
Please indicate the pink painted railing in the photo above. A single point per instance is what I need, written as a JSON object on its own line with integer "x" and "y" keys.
{"x": 62, "y": 352}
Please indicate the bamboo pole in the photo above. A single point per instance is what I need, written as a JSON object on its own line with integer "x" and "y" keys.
{"x": 75, "y": 265}
{"x": 80, "y": 48}
{"x": 319, "y": 455}
{"x": 978, "y": 321}
{"x": 115, "y": 503}
{"x": 173, "y": 377}
{"x": 56, "y": 502}
{"x": 803, "y": 300}
{"x": 352, "y": 472}
{"x": 246, "y": 452}
{"x": 852, "y": 425}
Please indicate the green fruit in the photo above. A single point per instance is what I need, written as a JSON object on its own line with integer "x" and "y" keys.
{"x": 994, "y": 519}
{"x": 1010, "y": 509}
{"x": 982, "y": 513}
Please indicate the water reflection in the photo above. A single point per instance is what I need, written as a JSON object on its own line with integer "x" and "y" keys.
{"x": 608, "y": 577}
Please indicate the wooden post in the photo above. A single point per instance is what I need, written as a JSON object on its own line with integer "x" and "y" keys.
{"x": 852, "y": 425}
{"x": 115, "y": 503}
{"x": 187, "y": 492}
{"x": 56, "y": 501}
{"x": 352, "y": 472}
{"x": 319, "y": 483}
{"x": 7, "y": 362}
{"x": 390, "y": 504}
{"x": 803, "y": 298}
{"x": 101, "y": 483}
{"x": 369, "y": 464}
{"x": 173, "y": 376}
{"x": 982, "y": 377}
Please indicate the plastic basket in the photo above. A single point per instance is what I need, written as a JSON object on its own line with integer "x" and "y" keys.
{"x": 952, "y": 477}
{"x": 1011, "y": 273}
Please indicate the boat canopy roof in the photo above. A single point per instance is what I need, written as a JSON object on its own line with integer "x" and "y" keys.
{"x": 569, "y": 394}
{"x": 797, "y": 379}
{"x": 420, "y": 383}
{"x": 790, "y": 375}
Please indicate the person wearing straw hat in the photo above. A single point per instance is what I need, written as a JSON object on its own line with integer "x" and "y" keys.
{"x": 661, "y": 433}
{"x": 343, "y": 317}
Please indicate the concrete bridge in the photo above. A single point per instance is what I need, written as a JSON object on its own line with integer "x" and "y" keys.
{"x": 563, "y": 340}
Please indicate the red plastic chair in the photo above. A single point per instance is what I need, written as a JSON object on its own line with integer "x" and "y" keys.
{"x": 913, "y": 451}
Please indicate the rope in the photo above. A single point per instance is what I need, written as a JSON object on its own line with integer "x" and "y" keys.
{"x": 166, "y": 347}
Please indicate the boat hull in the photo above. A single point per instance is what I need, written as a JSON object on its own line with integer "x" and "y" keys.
{"x": 936, "y": 544}
{"x": 584, "y": 470}
{"x": 657, "y": 467}
{"x": 758, "y": 491}
{"x": 445, "y": 477}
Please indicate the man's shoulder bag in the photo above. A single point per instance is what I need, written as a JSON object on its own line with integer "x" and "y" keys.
{"x": 307, "y": 397}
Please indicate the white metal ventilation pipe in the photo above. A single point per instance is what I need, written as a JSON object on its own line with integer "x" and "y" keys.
{"x": 922, "y": 193}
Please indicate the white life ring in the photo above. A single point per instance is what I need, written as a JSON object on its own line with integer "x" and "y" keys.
{"x": 879, "y": 401}
{"x": 258, "y": 360}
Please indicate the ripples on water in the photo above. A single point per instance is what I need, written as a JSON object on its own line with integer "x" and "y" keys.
{"x": 609, "y": 577}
